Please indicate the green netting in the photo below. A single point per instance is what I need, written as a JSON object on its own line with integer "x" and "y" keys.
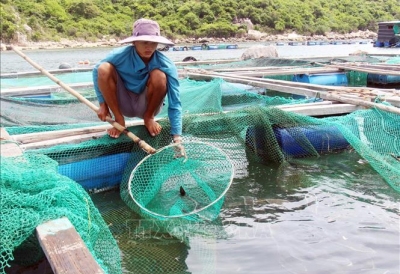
{"x": 33, "y": 192}
{"x": 393, "y": 60}
{"x": 190, "y": 186}
{"x": 52, "y": 179}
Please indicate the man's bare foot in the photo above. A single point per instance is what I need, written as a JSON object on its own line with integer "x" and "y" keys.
{"x": 113, "y": 132}
{"x": 153, "y": 127}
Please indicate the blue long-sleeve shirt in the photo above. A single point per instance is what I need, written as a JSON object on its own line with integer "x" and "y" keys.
{"x": 134, "y": 73}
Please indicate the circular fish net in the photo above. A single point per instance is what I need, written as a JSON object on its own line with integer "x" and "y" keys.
{"x": 164, "y": 185}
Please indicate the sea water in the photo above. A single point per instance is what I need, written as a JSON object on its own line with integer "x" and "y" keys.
{"x": 331, "y": 214}
{"x": 52, "y": 59}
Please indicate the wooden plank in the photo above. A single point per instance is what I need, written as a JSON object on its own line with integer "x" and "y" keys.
{"x": 65, "y": 249}
{"x": 334, "y": 109}
{"x": 262, "y": 73}
{"x": 4, "y": 134}
{"x": 8, "y": 148}
{"x": 64, "y": 140}
{"x": 288, "y": 107}
{"x": 368, "y": 69}
{"x": 34, "y": 73}
{"x": 49, "y": 135}
{"x": 40, "y": 90}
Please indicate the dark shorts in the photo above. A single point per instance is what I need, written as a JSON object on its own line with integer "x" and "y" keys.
{"x": 130, "y": 103}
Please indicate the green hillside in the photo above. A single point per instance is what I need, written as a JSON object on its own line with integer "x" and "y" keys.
{"x": 90, "y": 20}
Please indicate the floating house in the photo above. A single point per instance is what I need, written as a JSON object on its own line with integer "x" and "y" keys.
{"x": 388, "y": 34}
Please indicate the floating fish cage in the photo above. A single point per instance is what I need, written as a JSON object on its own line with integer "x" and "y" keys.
{"x": 237, "y": 119}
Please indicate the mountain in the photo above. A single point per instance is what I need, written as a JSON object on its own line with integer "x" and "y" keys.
{"x": 90, "y": 20}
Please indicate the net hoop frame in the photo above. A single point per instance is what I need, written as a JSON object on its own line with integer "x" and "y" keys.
{"x": 192, "y": 212}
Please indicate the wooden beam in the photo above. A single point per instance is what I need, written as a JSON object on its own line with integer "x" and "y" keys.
{"x": 63, "y": 140}
{"x": 8, "y": 147}
{"x": 306, "y": 105}
{"x": 49, "y": 135}
{"x": 262, "y": 73}
{"x": 65, "y": 249}
{"x": 33, "y": 73}
{"x": 321, "y": 110}
{"x": 4, "y": 134}
{"x": 40, "y": 90}
{"x": 368, "y": 68}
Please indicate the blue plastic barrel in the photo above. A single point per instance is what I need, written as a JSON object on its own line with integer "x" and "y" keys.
{"x": 326, "y": 79}
{"x": 212, "y": 47}
{"x": 323, "y": 139}
{"x": 383, "y": 79}
{"x": 100, "y": 172}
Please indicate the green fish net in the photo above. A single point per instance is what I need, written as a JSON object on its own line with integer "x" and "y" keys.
{"x": 164, "y": 185}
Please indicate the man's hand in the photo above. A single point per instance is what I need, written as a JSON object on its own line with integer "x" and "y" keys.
{"x": 103, "y": 112}
{"x": 179, "y": 148}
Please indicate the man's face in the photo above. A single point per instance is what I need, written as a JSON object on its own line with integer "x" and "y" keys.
{"x": 145, "y": 49}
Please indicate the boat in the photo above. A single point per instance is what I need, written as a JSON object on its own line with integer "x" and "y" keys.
{"x": 235, "y": 46}
{"x": 206, "y": 47}
{"x": 180, "y": 48}
{"x": 196, "y": 48}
